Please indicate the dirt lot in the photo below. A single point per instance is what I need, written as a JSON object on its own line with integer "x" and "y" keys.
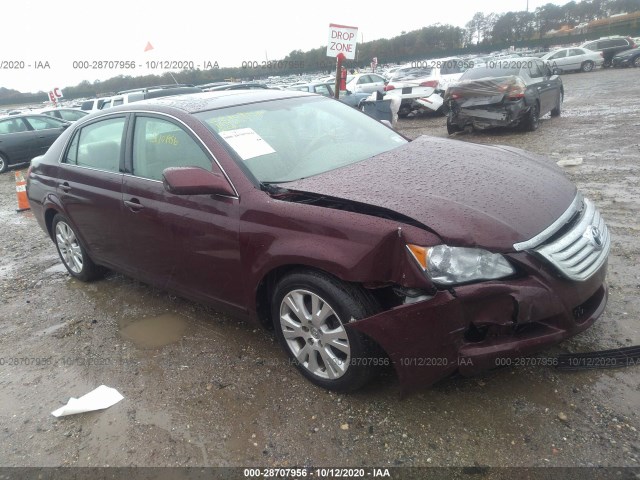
{"x": 202, "y": 389}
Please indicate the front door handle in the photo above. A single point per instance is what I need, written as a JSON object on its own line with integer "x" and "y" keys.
{"x": 134, "y": 204}
{"x": 64, "y": 187}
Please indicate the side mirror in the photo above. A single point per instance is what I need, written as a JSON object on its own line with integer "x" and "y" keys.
{"x": 195, "y": 181}
{"x": 65, "y": 126}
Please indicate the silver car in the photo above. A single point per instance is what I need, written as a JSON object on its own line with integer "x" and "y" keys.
{"x": 573, "y": 59}
{"x": 365, "y": 83}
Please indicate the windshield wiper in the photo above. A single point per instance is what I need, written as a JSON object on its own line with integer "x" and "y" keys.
{"x": 272, "y": 188}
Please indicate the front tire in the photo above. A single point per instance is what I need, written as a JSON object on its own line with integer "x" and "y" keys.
{"x": 587, "y": 66}
{"x": 4, "y": 164}
{"x": 73, "y": 255}
{"x": 636, "y": 62}
{"x": 310, "y": 310}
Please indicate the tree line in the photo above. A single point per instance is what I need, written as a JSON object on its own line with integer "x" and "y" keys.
{"x": 482, "y": 32}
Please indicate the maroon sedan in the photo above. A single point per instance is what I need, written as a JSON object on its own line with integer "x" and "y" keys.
{"x": 358, "y": 247}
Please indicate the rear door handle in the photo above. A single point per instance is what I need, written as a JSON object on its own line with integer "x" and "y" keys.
{"x": 134, "y": 204}
{"x": 64, "y": 187}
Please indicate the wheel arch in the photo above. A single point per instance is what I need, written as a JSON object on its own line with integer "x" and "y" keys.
{"x": 267, "y": 285}
{"x": 49, "y": 213}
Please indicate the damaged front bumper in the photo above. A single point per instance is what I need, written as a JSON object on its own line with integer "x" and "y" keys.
{"x": 476, "y": 327}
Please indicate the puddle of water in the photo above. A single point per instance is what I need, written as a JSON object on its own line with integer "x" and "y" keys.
{"x": 154, "y": 332}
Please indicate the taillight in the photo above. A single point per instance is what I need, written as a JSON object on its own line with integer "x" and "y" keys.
{"x": 514, "y": 90}
{"x": 430, "y": 83}
{"x": 388, "y": 87}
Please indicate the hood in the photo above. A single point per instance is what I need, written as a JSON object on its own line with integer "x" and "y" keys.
{"x": 469, "y": 194}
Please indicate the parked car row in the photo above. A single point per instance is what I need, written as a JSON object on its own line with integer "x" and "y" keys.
{"x": 327, "y": 89}
{"x": 136, "y": 95}
{"x": 25, "y": 136}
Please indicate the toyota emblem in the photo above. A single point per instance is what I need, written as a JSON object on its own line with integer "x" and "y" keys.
{"x": 594, "y": 235}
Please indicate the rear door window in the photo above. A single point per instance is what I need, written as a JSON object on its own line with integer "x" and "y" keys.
{"x": 71, "y": 115}
{"x": 14, "y": 125}
{"x": 98, "y": 145}
{"x": 557, "y": 55}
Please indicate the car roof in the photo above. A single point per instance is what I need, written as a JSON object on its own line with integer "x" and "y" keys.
{"x": 21, "y": 115}
{"x": 311, "y": 84}
{"x": 200, "y": 102}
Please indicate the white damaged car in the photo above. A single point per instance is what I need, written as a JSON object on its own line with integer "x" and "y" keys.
{"x": 421, "y": 84}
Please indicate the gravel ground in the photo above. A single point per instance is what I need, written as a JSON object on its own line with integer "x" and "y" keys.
{"x": 201, "y": 389}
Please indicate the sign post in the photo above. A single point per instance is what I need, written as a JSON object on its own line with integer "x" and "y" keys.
{"x": 336, "y": 90}
{"x": 342, "y": 45}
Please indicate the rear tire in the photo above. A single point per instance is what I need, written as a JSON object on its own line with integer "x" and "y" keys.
{"x": 404, "y": 112}
{"x": 532, "y": 120}
{"x": 309, "y": 311}
{"x": 452, "y": 127}
{"x": 587, "y": 66}
{"x": 73, "y": 255}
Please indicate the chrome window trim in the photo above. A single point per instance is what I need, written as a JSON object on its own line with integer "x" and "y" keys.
{"x": 135, "y": 111}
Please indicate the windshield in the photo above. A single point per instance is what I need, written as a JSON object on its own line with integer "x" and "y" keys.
{"x": 285, "y": 140}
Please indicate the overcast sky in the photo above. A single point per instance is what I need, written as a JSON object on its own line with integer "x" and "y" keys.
{"x": 227, "y": 32}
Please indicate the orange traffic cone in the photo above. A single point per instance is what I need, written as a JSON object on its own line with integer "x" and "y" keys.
{"x": 21, "y": 192}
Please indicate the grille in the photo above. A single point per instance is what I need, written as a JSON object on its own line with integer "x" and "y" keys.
{"x": 577, "y": 244}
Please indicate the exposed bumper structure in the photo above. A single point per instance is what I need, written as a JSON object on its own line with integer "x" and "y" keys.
{"x": 474, "y": 327}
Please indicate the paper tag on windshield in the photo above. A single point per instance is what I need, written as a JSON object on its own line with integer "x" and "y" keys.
{"x": 247, "y": 143}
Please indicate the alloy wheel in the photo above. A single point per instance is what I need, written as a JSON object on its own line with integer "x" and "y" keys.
{"x": 314, "y": 334}
{"x": 70, "y": 249}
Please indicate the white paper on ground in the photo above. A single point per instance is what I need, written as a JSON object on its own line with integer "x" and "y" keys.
{"x": 569, "y": 162}
{"x": 98, "y": 399}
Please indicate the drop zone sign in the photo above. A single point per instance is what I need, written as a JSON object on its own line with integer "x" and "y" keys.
{"x": 342, "y": 39}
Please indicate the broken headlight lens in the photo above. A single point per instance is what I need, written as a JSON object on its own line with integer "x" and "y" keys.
{"x": 447, "y": 265}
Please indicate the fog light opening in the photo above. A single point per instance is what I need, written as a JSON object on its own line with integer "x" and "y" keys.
{"x": 475, "y": 334}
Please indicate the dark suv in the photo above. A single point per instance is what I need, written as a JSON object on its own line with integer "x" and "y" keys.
{"x": 610, "y": 46}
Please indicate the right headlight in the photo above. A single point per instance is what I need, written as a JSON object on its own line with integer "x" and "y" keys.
{"x": 447, "y": 265}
